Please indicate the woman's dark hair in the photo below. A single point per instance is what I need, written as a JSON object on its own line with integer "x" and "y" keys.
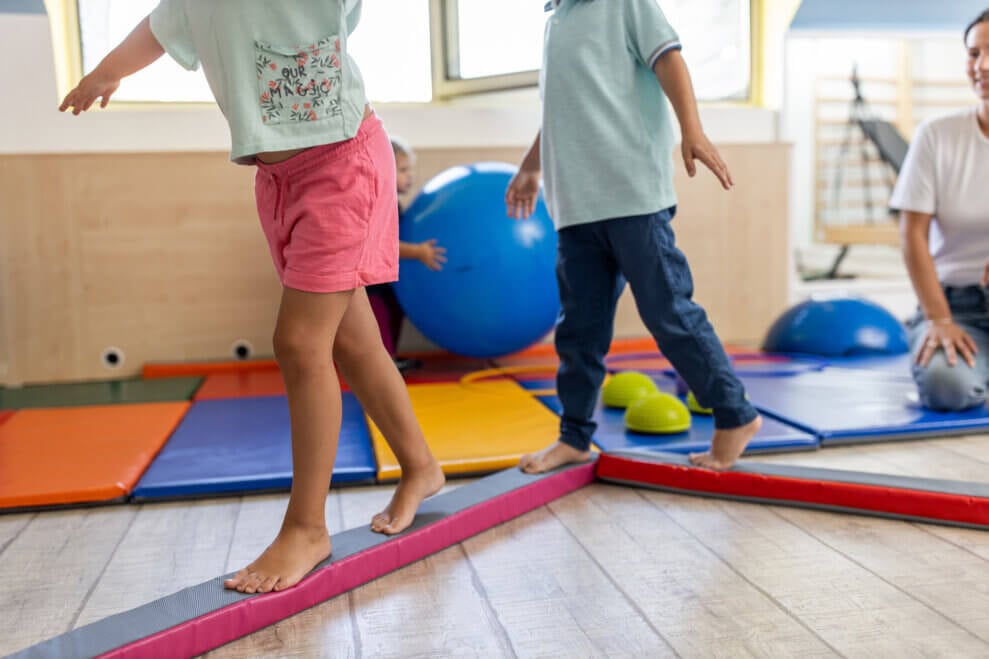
{"x": 981, "y": 18}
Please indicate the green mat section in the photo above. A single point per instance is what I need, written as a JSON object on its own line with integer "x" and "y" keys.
{"x": 99, "y": 393}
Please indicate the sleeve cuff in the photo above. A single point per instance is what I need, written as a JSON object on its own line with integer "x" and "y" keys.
{"x": 662, "y": 50}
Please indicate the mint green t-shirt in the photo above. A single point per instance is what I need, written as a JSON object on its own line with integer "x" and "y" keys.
{"x": 607, "y": 137}
{"x": 279, "y": 71}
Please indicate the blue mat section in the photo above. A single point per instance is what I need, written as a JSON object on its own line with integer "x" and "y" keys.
{"x": 244, "y": 445}
{"x": 898, "y": 365}
{"x": 843, "y": 406}
{"x": 611, "y": 435}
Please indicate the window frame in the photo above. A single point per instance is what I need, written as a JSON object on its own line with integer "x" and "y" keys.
{"x": 444, "y": 40}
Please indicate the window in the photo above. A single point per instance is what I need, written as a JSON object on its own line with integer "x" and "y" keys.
{"x": 415, "y": 50}
{"x": 474, "y": 56}
{"x": 716, "y": 36}
{"x": 105, "y": 23}
{"x": 391, "y": 47}
{"x": 387, "y": 27}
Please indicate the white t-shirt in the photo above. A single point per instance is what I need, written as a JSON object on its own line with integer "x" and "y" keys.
{"x": 946, "y": 174}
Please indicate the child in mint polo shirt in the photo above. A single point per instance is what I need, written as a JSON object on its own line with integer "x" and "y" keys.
{"x": 605, "y": 154}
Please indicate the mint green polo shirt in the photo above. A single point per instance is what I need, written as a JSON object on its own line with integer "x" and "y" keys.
{"x": 607, "y": 136}
{"x": 279, "y": 71}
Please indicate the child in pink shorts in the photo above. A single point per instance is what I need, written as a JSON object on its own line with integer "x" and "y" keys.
{"x": 326, "y": 196}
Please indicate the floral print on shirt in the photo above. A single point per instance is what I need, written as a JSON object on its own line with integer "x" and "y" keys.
{"x": 299, "y": 84}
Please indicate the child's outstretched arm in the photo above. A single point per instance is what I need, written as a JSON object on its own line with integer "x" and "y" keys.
{"x": 523, "y": 189}
{"x": 432, "y": 255}
{"x": 137, "y": 51}
{"x": 671, "y": 71}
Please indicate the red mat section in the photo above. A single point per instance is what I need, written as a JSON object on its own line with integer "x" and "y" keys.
{"x": 242, "y": 384}
{"x": 848, "y": 496}
{"x": 249, "y": 379}
{"x": 5, "y": 414}
{"x": 169, "y": 370}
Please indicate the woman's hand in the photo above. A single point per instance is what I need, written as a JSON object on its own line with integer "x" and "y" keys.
{"x": 523, "y": 191}
{"x": 93, "y": 86}
{"x": 948, "y": 336}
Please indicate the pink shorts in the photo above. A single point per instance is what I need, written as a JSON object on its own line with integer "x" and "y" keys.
{"x": 330, "y": 214}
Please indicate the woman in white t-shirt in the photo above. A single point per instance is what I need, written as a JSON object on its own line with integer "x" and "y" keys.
{"x": 942, "y": 194}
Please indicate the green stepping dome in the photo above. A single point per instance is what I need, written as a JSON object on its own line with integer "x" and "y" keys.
{"x": 658, "y": 413}
{"x": 695, "y": 407}
{"x": 624, "y": 388}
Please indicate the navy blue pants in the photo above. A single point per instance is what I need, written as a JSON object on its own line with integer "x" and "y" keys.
{"x": 594, "y": 262}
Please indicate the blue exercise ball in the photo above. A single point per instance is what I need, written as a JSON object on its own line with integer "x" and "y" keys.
{"x": 497, "y": 292}
{"x": 836, "y": 328}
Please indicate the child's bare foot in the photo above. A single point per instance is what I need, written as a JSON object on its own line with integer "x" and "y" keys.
{"x": 293, "y": 555}
{"x": 552, "y": 457}
{"x": 727, "y": 445}
{"x": 415, "y": 485}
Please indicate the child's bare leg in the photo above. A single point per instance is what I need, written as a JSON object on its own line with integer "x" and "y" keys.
{"x": 371, "y": 373}
{"x": 727, "y": 446}
{"x": 307, "y": 323}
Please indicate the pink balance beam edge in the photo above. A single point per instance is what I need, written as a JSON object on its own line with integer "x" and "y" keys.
{"x": 928, "y": 500}
{"x": 206, "y": 616}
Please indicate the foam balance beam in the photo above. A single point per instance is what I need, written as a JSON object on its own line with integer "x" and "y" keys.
{"x": 952, "y": 503}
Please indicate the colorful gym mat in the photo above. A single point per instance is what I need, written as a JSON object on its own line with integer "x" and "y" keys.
{"x": 75, "y": 455}
{"x": 242, "y": 384}
{"x": 953, "y": 503}
{"x": 611, "y": 434}
{"x": 99, "y": 393}
{"x": 843, "y": 406}
{"x": 473, "y": 428}
{"x": 5, "y": 414}
{"x": 198, "y": 619}
{"x": 244, "y": 445}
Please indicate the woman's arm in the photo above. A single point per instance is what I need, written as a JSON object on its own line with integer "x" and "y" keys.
{"x": 914, "y": 231}
{"x": 942, "y": 331}
{"x": 134, "y": 53}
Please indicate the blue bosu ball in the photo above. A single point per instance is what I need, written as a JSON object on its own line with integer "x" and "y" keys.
{"x": 497, "y": 293}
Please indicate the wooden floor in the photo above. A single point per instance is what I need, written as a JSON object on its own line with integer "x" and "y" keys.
{"x": 606, "y": 571}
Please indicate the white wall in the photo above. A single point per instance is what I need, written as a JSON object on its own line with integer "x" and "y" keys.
{"x": 808, "y": 56}
{"x": 32, "y": 124}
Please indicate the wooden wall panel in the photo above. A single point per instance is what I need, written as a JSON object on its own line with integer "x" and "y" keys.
{"x": 161, "y": 256}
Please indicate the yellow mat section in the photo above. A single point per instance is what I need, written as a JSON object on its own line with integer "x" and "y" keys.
{"x": 474, "y": 427}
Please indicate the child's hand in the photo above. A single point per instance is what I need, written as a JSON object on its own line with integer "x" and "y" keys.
{"x": 432, "y": 257}
{"x": 91, "y": 87}
{"x": 523, "y": 191}
{"x": 696, "y": 146}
